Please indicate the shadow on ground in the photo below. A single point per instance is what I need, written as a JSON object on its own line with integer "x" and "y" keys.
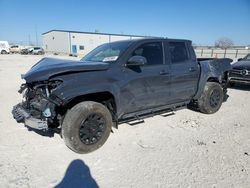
{"x": 78, "y": 176}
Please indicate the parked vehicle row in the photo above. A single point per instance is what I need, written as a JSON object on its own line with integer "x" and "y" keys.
{"x": 5, "y": 48}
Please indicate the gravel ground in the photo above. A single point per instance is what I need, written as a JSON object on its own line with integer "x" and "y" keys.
{"x": 188, "y": 149}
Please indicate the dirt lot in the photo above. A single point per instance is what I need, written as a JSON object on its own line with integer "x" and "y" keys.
{"x": 188, "y": 149}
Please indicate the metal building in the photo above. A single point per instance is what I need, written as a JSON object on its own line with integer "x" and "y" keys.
{"x": 75, "y": 42}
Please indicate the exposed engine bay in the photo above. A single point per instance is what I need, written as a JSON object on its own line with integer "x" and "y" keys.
{"x": 38, "y": 106}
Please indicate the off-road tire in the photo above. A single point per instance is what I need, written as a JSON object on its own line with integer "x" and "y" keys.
{"x": 211, "y": 98}
{"x": 74, "y": 120}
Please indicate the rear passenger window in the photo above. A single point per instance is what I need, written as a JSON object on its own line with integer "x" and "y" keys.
{"x": 178, "y": 52}
{"x": 152, "y": 52}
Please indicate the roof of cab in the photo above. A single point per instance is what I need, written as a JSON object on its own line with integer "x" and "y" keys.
{"x": 153, "y": 39}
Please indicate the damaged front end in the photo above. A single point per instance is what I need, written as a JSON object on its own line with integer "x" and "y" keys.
{"x": 38, "y": 109}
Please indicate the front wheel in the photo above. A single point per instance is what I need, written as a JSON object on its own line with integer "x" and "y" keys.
{"x": 86, "y": 127}
{"x": 211, "y": 98}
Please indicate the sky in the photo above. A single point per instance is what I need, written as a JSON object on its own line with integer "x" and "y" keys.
{"x": 202, "y": 21}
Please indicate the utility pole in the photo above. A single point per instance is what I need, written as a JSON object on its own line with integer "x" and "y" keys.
{"x": 36, "y": 36}
{"x": 29, "y": 39}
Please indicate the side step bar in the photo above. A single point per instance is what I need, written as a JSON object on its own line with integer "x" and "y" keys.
{"x": 170, "y": 113}
{"x": 136, "y": 118}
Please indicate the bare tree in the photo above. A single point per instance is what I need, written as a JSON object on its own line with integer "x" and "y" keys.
{"x": 223, "y": 43}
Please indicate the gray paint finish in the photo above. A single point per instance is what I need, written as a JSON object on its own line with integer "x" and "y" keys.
{"x": 134, "y": 88}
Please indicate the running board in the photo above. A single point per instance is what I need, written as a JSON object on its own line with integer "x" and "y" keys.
{"x": 138, "y": 117}
{"x": 136, "y": 120}
{"x": 170, "y": 113}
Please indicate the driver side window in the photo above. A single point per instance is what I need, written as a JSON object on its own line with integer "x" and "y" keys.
{"x": 151, "y": 51}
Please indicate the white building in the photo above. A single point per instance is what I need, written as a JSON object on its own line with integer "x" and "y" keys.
{"x": 75, "y": 42}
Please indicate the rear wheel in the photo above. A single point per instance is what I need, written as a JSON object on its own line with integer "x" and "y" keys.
{"x": 211, "y": 98}
{"x": 86, "y": 127}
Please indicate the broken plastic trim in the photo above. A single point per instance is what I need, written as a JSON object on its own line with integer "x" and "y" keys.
{"x": 21, "y": 115}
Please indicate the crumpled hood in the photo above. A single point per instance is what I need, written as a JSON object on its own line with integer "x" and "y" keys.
{"x": 48, "y": 67}
{"x": 242, "y": 65}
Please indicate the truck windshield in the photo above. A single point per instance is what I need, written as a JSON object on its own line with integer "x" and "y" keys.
{"x": 109, "y": 52}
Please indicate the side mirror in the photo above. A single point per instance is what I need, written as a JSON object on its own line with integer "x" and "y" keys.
{"x": 136, "y": 61}
{"x": 239, "y": 59}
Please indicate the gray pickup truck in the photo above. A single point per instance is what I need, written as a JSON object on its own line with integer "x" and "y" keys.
{"x": 115, "y": 83}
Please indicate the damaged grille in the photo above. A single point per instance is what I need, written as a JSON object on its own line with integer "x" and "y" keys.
{"x": 37, "y": 100}
{"x": 38, "y": 109}
{"x": 34, "y": 100}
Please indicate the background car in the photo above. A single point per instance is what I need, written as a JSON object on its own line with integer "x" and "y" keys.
{"x": 4, "y": 47}
{"x": 15, "y": 49}
{"x": 37, "y": 51}
{"x": 25, "y": 51}
{"x": 33, "y": 51}
{"x": 240, "y": 72}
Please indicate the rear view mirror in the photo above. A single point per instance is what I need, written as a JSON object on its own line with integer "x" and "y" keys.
{"x": 137, "y": 61}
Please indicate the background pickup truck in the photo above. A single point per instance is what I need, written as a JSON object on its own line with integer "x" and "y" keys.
{"x": 115, "y": 83}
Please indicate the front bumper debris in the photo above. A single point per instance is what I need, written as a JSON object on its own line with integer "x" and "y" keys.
{"x": 21, "y": 115}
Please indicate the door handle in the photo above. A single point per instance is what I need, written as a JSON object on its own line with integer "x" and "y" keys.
{"x": 163, "y": 72}
{"x": 192, "y": 69}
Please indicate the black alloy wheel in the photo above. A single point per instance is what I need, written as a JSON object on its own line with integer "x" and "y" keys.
{"x": 215, "y": 98}
{"x": 92, "y": 129}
